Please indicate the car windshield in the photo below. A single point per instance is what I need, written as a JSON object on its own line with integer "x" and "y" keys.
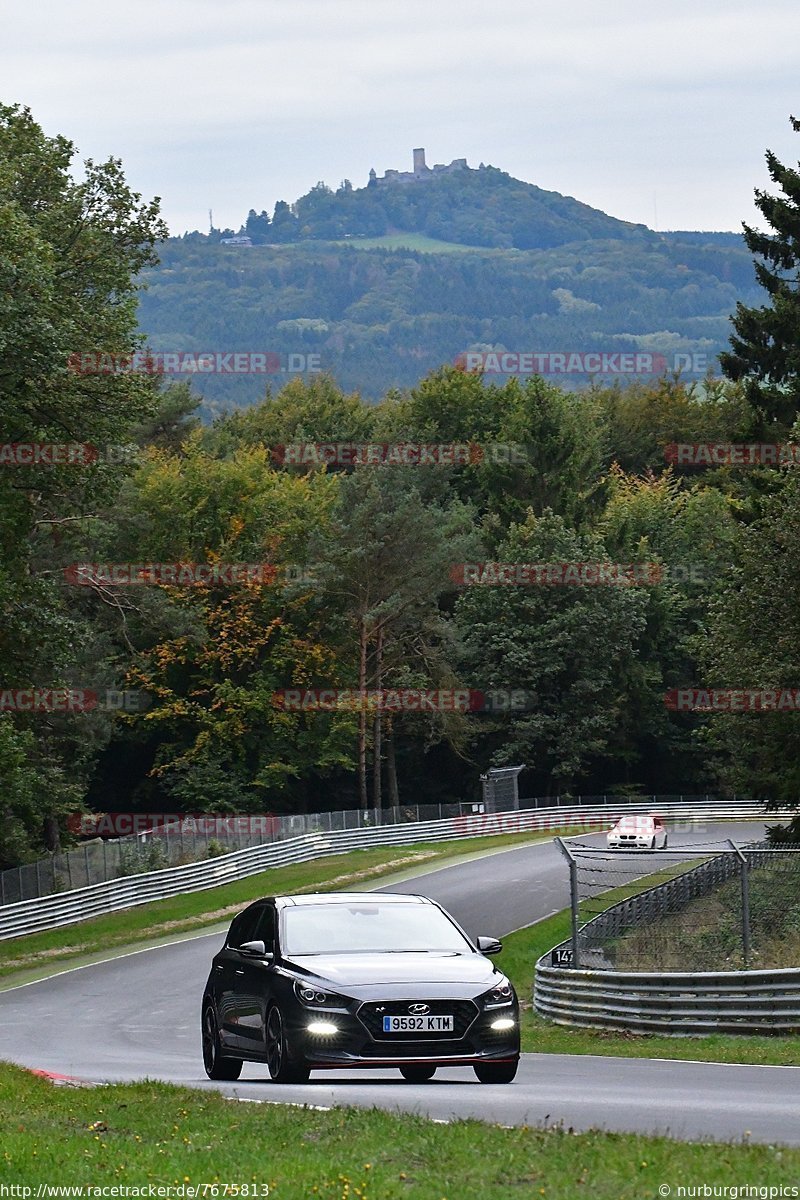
{"x": 634, "y": 824}
{"x": 365, "y": 928}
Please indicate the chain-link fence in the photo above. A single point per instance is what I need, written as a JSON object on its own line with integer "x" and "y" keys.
{"x": 717, "y": 906}
{"x": 177, "y": 840}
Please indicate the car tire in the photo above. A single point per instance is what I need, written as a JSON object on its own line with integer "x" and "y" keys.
{"x": 418, "y": 1074}
{"x": 279, "y": 1062}
{"x": 653, "y": 843}
{"x": 217, "y": 1065}
{"x": 495, "y": 1072}
{"x": 666, "y": 839}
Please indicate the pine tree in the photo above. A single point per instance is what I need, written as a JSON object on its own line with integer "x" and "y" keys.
{"x": 766, "y": 342}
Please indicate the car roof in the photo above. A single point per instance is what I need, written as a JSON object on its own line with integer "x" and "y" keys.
{"x": 334, "y": 898}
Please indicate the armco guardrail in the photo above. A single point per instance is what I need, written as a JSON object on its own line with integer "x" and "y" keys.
{"x": 671, "y": 1002}
{"x": 153, "y": 842}
{"x": 681, "y": 1002}
{"x": 64, "y": 908}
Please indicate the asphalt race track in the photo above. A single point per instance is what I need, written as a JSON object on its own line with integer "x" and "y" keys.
{"x": 138, "y": 1016}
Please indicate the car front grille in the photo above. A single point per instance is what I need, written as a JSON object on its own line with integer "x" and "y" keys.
{"x": 401, "y": 1049}
{"x": 372, "y": 1013}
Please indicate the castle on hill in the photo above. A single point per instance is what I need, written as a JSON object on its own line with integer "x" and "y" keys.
{"x": 421, "y": 171}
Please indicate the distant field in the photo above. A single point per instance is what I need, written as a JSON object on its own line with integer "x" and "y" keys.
{"x": 410, "y": 241}
{"x": 387, "y": 241}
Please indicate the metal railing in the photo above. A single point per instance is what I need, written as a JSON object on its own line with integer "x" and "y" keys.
{"x": 78, "y": 905}
{"x": 577, "y": 984}
{"x": 689, "y": 1002}
{"x": 192, "y": 839}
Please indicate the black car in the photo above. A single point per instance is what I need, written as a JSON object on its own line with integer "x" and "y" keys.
{"x": 356, "y": 979}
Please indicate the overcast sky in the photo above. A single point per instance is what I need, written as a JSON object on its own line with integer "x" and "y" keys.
{"x": 654, "y": 113}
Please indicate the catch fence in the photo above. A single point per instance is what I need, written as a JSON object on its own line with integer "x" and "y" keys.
{"x": 705, "y": 906}
{"x": 693, "y": 940}
{"x": 183, "y": 839}
{"x": 109, "y": 896}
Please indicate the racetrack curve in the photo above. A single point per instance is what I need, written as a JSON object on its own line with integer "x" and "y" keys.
{"x": 138, "y": 1015}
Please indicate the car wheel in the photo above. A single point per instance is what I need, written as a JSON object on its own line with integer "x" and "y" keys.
{"x": 279, "y": 1064}
{"x": 217, "y": 1065}
{"x": 653, "y": 843}
{"x": 495, "y": 1072}
{"x": 418, "y": 1074}
{"x": 666, "y": 839}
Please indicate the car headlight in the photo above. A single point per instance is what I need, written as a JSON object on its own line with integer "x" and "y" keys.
{"x": 499, "y": 996}
{"x": 316, "y": 997}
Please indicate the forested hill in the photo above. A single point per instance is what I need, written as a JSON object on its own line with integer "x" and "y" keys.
{"x": 484, "y": 207}
{"x": 380, "y": 285}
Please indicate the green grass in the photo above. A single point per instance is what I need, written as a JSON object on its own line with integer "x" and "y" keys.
{"x": 136, "y": 1135}
{"x": 411, "y": 241}
{"x": 40, "y": 954}
{"x": 708, "y": 930}
{"x": 387, "y": 241}
{"x": 521, "y": 950}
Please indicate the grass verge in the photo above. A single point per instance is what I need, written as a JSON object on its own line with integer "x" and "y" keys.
{"x": 39, "y": 954}
{"x": 138, "y": 1135}
{"x": 521, "y": 950}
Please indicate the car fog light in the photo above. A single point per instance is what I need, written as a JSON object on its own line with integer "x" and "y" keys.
{"x": 323, "y": 1027}
{"x": 503, "y": 1023}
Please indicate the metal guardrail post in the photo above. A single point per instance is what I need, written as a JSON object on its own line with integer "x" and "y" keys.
{"x": 573, "y": 899}
{"x": 745, "y": 878}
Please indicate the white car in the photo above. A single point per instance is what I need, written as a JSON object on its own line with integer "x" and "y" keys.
{"x": 638, "y": 833}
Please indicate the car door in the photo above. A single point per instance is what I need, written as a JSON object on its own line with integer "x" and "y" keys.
{"x": 227, "y": 968}
{"x": 252, "y": 985}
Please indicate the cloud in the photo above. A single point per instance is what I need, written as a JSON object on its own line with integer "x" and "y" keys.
{"x": 239, "y": 105}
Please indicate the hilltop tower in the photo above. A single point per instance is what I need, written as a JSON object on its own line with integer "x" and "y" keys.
{"x": 419, "y": 161}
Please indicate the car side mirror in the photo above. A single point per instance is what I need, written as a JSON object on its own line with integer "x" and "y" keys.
{"x": 256, "y": 950}
{"x": 489, "y": 945}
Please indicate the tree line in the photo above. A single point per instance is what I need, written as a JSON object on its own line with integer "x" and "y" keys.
{"x": 363, "y": 587}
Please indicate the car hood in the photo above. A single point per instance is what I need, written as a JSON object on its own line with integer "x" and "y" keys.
{"x": 355, "y": 970}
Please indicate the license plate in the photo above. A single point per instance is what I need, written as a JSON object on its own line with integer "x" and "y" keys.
{"x": 418, "y": 1024}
